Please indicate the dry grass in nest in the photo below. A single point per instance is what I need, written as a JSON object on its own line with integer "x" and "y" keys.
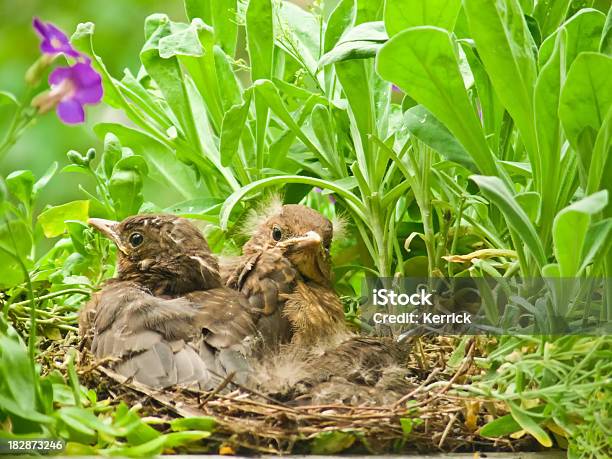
{"x": 437, "y": 418}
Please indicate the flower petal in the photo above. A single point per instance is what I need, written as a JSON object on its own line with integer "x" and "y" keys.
{"x": 40, "y": 27}
{"x": 60, "y": 74}
{"x": 90, "y": 95}
{"x": 85, "y": 76}
{"x": 71, "y": 112}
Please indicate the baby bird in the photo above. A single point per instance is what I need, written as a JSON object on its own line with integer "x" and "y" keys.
{"x": 285, "y": 272}
{"x": 166, "y": 319}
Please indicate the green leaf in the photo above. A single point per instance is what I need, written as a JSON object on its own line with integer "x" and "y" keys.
{"x": 585, "y": 102}
{"x": 500, "y": 427}
{"x": 352, "y": 200}
{"x": 407, "y": 425}
{"x": 21, "y": 184}
{"x": 260, "y": 38}
{"x": 583, "y": 34}
{"x": 233, "y": 125}
{"x": 523, "y": 418}
{"x": 183, "y": 42}
{"x": 506, "y": 48}
{"x": 167, "y": 72}
{"x": 570, "y": 229}
{"x": 44, "y": 180}
{"x": 597, "y": 243}
{"x": 402, "y": 14}
{"x": 53, "y": 220}
{"x": 6, "y": 98}
{"x": 361, "y": 42}
{"x": 422, "y": 62}
{"x": 17, "y": 389}
{"x": 423, "y": 125}
{"x": 125, "y": 187}
{"x": 497, "y": 192}
{"x": 341, "y": 18}
{"x": 165, "y": 168}
{"x": 203, "y": 423}
{"x": 549, "y": 14}
{"x": 332, "y": 442}
{"x": 133, "y": 163}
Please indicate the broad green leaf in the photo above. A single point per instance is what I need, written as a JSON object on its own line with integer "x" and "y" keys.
{"x": 341, "y": 18}
{"x": 549, "y": 14}
{"x": 167, "y": 73}
{"x": 125, "y": 187}
{"x": 332, "y": 442}
{"x": 369, "y": 10}
{"x": 583, "y": 34}
{"x": 17, "y": 388}
{"x": 352, "y": 200}
{"x": 600, "y": 159}
{"x": 53, "y": 220}
{"x": 260, "y": 37}
{"x": 597, "y": 243}
{"x": 233, "y": 125}
{"x": 548, "y": 127}
{"x": 500, "y": 427}
{"x": 586, "y": 99}
{"x": 507, "y": 50}
{"x": 423, "y": 125}
{"x": 221, "y": 15}
{"x": 402, "y": 14}
{"x": 112, "y": 150}
{"x": 523, "y": 418}
{"x": 606, "y": 37}
{"x": 21, "y": 184}
{"x": 164, "y": 168}
{"x": 497, "y": 192}
{"x": 570, "y": 229}
{"x": 260, "y": 45}
{"x": 183, "y": 42}
{"x": 361, "y": 42}
{"x": 422, "y": 62}
{"x": 16, "y": 238}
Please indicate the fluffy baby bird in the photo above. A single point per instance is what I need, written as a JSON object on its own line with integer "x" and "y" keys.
{"x": 165, "y": 318}
{"x": 285, "y": 272}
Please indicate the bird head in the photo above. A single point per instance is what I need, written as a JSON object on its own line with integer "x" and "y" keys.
{"x": 303, "y": 235}
{"x": 165, "y": 253}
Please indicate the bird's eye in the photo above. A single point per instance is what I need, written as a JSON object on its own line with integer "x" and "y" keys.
{"x": 277, "y": 234}
{"x": 136, "y": 239}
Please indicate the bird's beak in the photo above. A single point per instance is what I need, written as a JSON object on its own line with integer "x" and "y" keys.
{"x": 109, "y": 229}
{"x": 310, "y": 241}
{"x": 308, "y": 255}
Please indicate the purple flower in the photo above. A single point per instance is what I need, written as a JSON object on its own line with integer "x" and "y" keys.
{"x": 71, "y": 88}
{"x": 54, "y": 40}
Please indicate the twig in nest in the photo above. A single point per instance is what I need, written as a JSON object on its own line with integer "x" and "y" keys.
{"x": 218, "y": 389}
{"x": 451, "y": 421}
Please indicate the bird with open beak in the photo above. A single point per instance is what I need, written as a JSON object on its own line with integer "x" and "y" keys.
{"x": 285, "y": 272}
{"x": 166, "y": 319}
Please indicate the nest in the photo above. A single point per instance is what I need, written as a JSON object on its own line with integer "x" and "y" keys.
{"x": 432, "y": 417}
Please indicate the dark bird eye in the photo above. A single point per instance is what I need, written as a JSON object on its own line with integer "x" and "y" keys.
{"x": 136, "y": 239}
{"x": 277, "y": 234}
